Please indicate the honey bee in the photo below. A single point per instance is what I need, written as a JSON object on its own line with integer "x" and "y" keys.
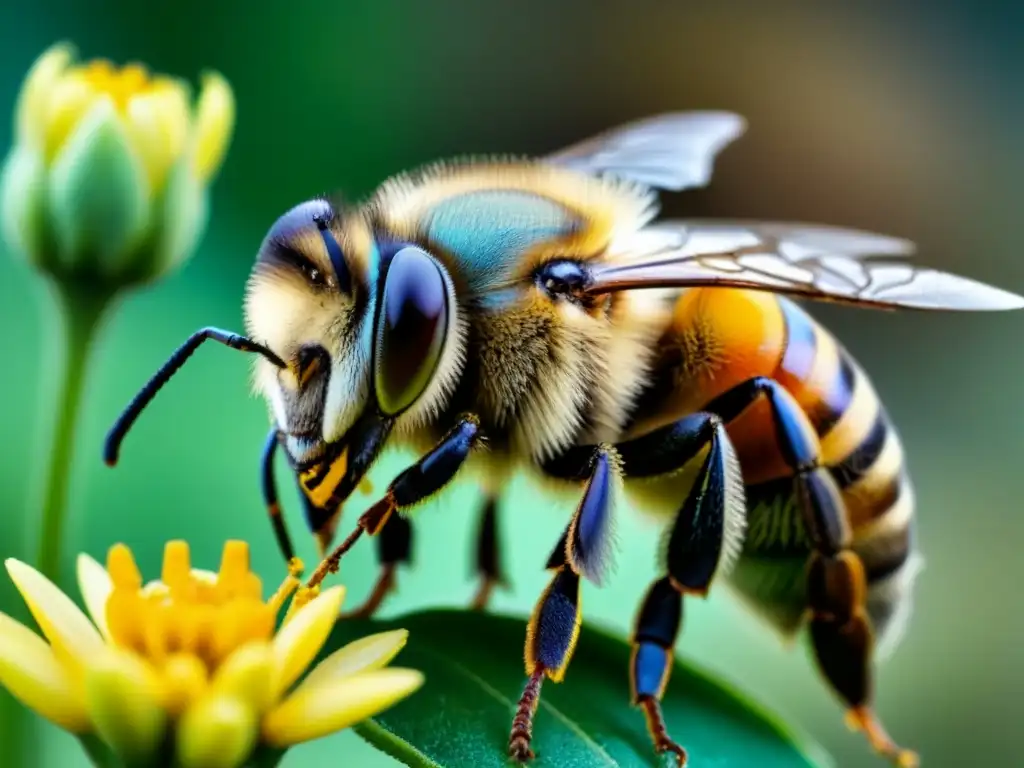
{"x": 506, "y": 314}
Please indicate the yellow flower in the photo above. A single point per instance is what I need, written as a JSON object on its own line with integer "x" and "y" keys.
{"x": 110, "y": 164}
{"x": 194, "y": 662}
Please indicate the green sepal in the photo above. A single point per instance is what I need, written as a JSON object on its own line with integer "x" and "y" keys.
{"x": 178, "y": 222}
{"x": 24, "y": 207}
{"x": 99, "y": 196}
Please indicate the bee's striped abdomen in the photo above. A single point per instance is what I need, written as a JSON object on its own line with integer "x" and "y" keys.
{"x": 863, "y": 451}
{"x": 859, "y": 442}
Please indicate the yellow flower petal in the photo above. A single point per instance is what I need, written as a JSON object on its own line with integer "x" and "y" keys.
{"x": 125, "y": 705}
{"x": 214, "y": 123}
{"x": 35, "y": 92}
{"x": 318, "y": 711}
{"x": 70, "y": 99}
{"x": 95, "y": 585}
{"x": 73, "y": 637}
{"x": 157, "y": 125}
{"x": 246, "y": 675}
{"x": 301, "y": 638}
{"x": 363, "y": 655}
{"x": 31, "y": 672}
{"x": 218, "y": 732}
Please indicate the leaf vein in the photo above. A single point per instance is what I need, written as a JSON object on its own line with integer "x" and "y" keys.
{"x": 567, "y": 721}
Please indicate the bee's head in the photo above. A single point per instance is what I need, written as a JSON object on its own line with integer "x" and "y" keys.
{"x": 307, "y": 300}
{"x": 366, "y": 327}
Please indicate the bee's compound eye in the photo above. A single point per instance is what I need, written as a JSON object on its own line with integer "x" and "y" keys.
{"x": 411, "y": 329}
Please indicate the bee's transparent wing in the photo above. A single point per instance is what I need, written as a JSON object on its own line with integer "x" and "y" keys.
{"x": 806, "y": 261}
{"x": 674, "y": 151}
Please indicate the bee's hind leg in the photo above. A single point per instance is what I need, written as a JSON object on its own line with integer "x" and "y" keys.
{"x": 840, "y": 628}
{"x": 487, "y": 555}
{"x": 554, "y": 626}
{"x": 706, "y": 531}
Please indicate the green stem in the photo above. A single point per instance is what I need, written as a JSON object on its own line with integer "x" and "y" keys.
{"x": 80, "y": 309}
{"x": 99, "y": 753}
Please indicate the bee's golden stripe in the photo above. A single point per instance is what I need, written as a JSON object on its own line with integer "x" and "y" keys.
{"x": 873, "y": 488}
{"x": 885, "y": 543}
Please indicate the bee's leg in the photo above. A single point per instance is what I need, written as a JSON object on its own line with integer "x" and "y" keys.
{"x": 413, "y": 486}
{"x": 394, "y": 548}
{"x": 841, "y": 630}
{"x": 488, "y": 555}
{"x": 554, "y": 626}
{"x": 837, "y": 587}
{"x": 284, "y": 541}
{"x": 706, "y": 532}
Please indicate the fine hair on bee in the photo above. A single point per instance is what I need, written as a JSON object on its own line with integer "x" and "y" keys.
{"x": 540, "y": 305}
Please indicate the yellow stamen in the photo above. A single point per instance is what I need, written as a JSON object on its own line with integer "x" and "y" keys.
{"x": 177, "y": 568}
{"x": 122, "y": 568}
{"x": 234, "y": 567}
{"x": 302, "y": 596}
{"x": 288, "y": 586}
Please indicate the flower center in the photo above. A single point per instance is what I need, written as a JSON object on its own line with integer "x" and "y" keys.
{"x": 188, "y": 611}
{"x": 121, "y": 84}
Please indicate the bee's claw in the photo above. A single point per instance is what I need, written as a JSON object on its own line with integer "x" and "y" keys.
{"x": 672, "y": 755}
{"x": 863, "y": 719}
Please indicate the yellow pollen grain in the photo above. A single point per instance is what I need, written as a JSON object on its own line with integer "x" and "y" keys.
{"x": 302, "y": 596}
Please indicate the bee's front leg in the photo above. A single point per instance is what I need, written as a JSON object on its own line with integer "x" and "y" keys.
{"x": 411, "y": 487}
{"x": 269, "y": 486}
{"x": 554, "y": 625}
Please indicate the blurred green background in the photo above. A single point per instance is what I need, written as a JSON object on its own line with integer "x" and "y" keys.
{"x": 898, "y": 118}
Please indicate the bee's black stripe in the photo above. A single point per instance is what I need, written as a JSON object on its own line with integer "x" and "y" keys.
{"x": 801, "y": 341}
{"x": 837, "y": 398}
{"x": 887, "y": 553}
{"x": 859, "y": 462}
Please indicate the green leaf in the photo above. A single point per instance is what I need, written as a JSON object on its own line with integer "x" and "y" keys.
{"x": 474, "y": 674}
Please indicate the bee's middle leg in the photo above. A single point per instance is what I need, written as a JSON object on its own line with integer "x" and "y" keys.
{"x": 706, "y": 530}
{"x": 554, "y": 626}
{"x": 394, "y": 548}
{"x": 487, "y": 555}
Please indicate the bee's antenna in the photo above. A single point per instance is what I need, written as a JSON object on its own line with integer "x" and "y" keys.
{"x": 112, "y": 446}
